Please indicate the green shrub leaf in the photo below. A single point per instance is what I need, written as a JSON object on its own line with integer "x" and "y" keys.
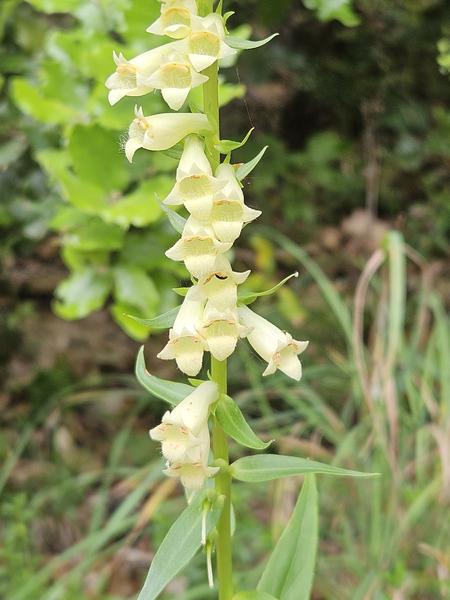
{"x": 82, "y": 293}
{"x": 170, "y": 391}
{"x": 234, "y": 424}
{"x": 179, "y": 546}
{"x": 290, "y": 571}
{"x": 265, "y": 467}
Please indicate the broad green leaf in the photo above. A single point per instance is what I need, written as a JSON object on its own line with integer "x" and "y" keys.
{"x": 164, "y": 321}
{"x": 32, "y": 102}
{"x": 179, "y": 546}
{"x": 253, "y": 595}
{"x": 246, "y": 169}
{"x": 341, "y": 10}
{"x": 240, "y": 44}
{"x": 137, "y": 331}
{"x": 94, "y": 151}
{"x": 82, "y": 194}
{"x": 82, "y": 293}
{"x": 234, "y": 424}
{"x": 95, "y": 235}
{"x": 289, "y": 573}
{"x": 170, "y": 391}
{"x": 266, "y": 467}
{"x": 177, "y": 221}
{"x": 140, "y": 207}
{"x": 227, "y": 146}
{"x": 132, "y": 285}
{"x": 251, "y": 297}
{"x": 54, "y": 162}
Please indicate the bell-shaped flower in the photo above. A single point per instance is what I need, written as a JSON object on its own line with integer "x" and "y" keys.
{"x": 220, "y": 287}
{"x": 184, "y": 430}
{"x": 195, "y": 186}
{"x": 206, "y": 42}
{"x": 185, "y": 345}
{"x": 175, "y": 19}
{"x": 160, "y": 132}
{"x": 175, "y": 77}
{"x": 192, "y": 475}
{"x": 130, "y": 75}
{"x": 229, "y": 213}
{"x": 198, "y": 248}
{"x": 273, "y": 345}
{"x": 221, "y": 331}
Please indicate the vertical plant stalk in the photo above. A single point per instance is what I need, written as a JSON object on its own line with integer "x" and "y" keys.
{"x": 219, "y": 368}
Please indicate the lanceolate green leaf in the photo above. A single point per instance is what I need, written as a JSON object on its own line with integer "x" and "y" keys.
{"x": 247, "y": 168}
{"x": 240, "y": 44}
{"x": 249, "y": 298}
{"x": 226, "y": 146}
{"x": 177, "y": 221}
{"x": 253, "y": 595}
{"x": 164, "y": 321}
{"x": 265, "y": 467}
{"x": 290, "y": 570}
{"x": 170, "y": 391}
{"x": 233, "y": 422}
{"x": 179, "y": 546}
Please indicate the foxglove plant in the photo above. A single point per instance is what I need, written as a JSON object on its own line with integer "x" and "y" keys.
{"x": 213, "y": 316}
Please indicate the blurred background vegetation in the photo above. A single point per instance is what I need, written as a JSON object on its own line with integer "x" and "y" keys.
{"x": 353, "y": 100}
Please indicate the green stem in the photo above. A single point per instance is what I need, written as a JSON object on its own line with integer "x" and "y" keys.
{"x": 223, "y": 487}
{"x": 218, "y": 368}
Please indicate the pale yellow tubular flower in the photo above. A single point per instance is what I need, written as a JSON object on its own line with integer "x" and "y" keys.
{"x": 198, "y": 248}
{"x": 192, "y": 475}
{"x": 184, "y": 431}
{"x": 160, "y": 132}
{"x": 175, "y": 77}
{"x": 195, "y": 186}
{"x": 175, "y": 19}
{"x": 220, "y": 287}
{"x": 229, "y": 213}
{"x": 222, "y": 330}
{"x": 273, "y": 345}
{"x": 206, "y": 42}
{"x": 185, "y": 344}
{"x": 130, "y": 75}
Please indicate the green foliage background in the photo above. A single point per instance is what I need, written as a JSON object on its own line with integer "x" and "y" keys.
{"x": 353, "y": 100}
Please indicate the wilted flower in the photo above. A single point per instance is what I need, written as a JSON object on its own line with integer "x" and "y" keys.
{"x": 195, "y": 186}
{"x": 273, "y": 345}
{"x": 184, "y": 431}
{"x": 198, "y": 248}
{"x": 160, "y": 132}
{"x": 206, "y": 42}
{"x": 175, "y": 77}
{"x": 175, "y": 19}
{"x": 185, "y": 345}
